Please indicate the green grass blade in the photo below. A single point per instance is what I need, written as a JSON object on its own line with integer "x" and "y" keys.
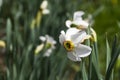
{"x": 111, "y": 65}
{"x": 9, "y": 33}
{"x": 84, "y": 74}
{"x": 26, "y": 65}
{"x": 14, "y": 72}
{"x": 95, "y": 60}
{"x": 90, "y": 67}
{"x": 108, "y": 53}
{"x": 108, "y": 57}
{"x": 115, "y": 53}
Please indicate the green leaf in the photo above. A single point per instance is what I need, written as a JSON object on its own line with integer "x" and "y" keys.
{"x": 26, "y": 66}
{"x": 108, "y": 56}
{"x": 108, "y": 53}
{"x": 90, "y": 67}
{"x": 8, "y": 74}
{"x": 9, "y": 33}
{"x": 84, "y": 74}
{"x": 95, "y": 60}
{"x": 115, "y": 53}
{"x": 14, "y": 72}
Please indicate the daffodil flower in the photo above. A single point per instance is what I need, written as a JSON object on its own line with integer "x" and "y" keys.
{"x": 44, "y": 4}
{"x": 77, "y": 21}
{"x": 49, "y": 44}
{"x": 2, "y": 43}
{"x": 72, "y": 41}
{"x": 43, "y": 7}
{"x": 81, "y": 24}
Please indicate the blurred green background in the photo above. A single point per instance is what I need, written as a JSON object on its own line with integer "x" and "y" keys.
{"x": 106, "y": 17}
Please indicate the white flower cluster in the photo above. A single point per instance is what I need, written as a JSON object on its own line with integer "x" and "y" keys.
{"x": 74, "y": 37}
{"x": 48, "y": 44}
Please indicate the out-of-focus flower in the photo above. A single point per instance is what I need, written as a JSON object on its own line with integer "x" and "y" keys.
{"x": 43, "y": 7}
{"x": 77, "y": 21}
{"x": 44, "y": 4}
{"x": 49, "y": 44}
{"x": 46, "y": 11}
{"x": 39, "y": 48}
{"x": 48, "y": 39}
{"x": 43, "y": 10}
{"x": 78, "y": 15}
{"x": 72, "y": 42}
{"x": 2, "y": 44}
{"x": 81, "y": 24}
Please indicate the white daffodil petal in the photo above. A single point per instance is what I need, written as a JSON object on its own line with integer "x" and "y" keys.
{"x": 62, "y": 37}
{"x": 78, "y": 37}
{"x": 78, "y": 15}
{"x": 48, "y": 52}
{"x": 71, "y": 31}
{"x": 68, "y": 23}
{"x": 83, "y": 50}
{"x": 45, "y": 11}
{"x": 81, "y": 23}
{"x": 44, "y": 4}
{"x": 50, "y": 40}
{"x": 72, "y": 57}
{"x": 42, "y": 38}
{"x": 54, "y": 42}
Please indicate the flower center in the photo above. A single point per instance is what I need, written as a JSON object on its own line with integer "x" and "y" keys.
{"x": 77, "y": 26}
{"x": 73, "y": 25}
{"x": 48, "y": 45}
{"x": 69, "y": 46}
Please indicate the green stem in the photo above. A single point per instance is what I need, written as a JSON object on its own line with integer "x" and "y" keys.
{"x": 90, "y": 67}
{"x": 84, "y": 74}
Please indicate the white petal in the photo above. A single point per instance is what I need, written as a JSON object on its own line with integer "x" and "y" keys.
{"x": 78, "y": 15}
{"x": 54, "y": 42}
{"x": 83, "y": 50}
{"x": 50, "y": 39}
{"x": 78, "y": 37}
{"x": 53, "y": 47}
{"x": 81, "y": 23}
{"x": 42, "y": 38}
{"x": 73, "y": 57}
{"x": 48, "y": 52}
{"x": 68, "y": 23}
{"x": 44, "y": 4}
{"x": 45, "y": 11}
{"x": 62, "y": 37}
{"x": 70, "y": 32}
